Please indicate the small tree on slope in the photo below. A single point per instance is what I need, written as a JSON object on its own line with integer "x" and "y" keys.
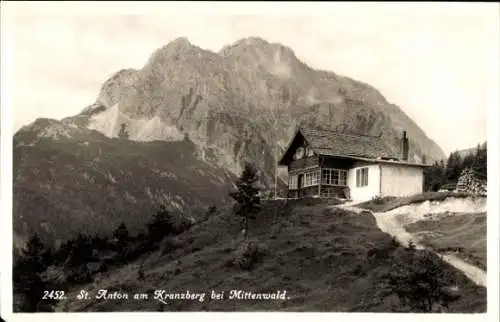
{"x": 121, "y": 234}
{"x": 247, "y": 197}
{"x": 27, "y": 278}
{"x": 420, "y": 282}
{"x": 123, "y": 134}
{"x": 161, "y": 225}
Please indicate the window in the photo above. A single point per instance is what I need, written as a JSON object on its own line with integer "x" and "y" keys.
{"x": 311, "y": 178}
{"x": 361, "y": 177}
{"x": 292, "y": 182}
{"x": 334, "y": 177}
{"x": 299, "y": 153}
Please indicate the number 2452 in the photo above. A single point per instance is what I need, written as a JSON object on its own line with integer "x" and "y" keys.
{"x": 53, "y": 295}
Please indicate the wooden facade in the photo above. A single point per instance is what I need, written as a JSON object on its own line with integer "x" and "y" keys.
{"x": 325, "y": 163}
{"x": 329, "y": 177}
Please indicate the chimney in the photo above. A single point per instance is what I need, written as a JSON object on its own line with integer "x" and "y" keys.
{"x": 404, "y": 147}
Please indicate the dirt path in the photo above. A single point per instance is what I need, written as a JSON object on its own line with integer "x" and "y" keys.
{"x": 391, "y": 225}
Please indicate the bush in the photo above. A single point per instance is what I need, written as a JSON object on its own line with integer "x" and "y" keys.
{"x": 81, "y": 251}
{"x": 394, "y": 242}
{"x": 165, "y": 224}
{"x": 420, "y": 283}
{"x": 248, "y": 254}
{"x": 212, "y": 210}
{"x": 161, "y": 225}
{"x": 79, "y": 275}
{"x": 411, "y": 245}
{"x": 121, "y": 234}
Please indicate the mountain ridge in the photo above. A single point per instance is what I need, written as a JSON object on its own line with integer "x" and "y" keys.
{"x": 241, "y": 104}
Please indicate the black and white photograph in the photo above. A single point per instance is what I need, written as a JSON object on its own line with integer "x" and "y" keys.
{"x": 272, "y": 157}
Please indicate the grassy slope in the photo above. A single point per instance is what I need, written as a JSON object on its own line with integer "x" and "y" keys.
{"x": 326, "y": 258}
{"x": 464, "y": 233}
{"x": 66, "y": 186}
{"x": 389, "y": 203}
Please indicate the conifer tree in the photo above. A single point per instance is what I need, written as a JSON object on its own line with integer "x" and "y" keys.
{"x": 161, "y": 225}
{"x": 27, "y": 279}
{"x": 247, "y": 196}
{"x": 123, "y": 134}
{"x": 121, "y": 233}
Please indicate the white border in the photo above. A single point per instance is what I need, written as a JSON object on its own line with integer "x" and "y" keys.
{"x": 225, "y": 8}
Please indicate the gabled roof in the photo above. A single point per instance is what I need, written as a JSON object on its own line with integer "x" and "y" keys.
{"x": 333, "y": 143}
{"x": 327, "y": 142}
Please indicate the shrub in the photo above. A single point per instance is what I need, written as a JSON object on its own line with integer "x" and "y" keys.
{"x": 81, "y": 251}
{"x": 212, "y": 210}
{"x": 121, "y": 233}
{"x": 165, "y": 223}
{"x": 80, "y": 275}
{"x": 123, "y": 134}
{"x": 394, "y": 242}
{"x": 248, "y": 254}
{"x": 161, "y": 225}
{"x": 420, "y": 283}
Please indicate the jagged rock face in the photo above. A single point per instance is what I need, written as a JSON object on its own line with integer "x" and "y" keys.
{"x": 249, "y": 92}
{"x": 116, "y": 88}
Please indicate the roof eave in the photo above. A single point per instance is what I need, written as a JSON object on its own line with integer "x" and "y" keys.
{"x": 375, "y": 160}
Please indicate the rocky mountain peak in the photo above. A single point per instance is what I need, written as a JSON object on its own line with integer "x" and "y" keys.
{"x": 178, "y": 46}
{"x": 112, "y": 90}
{"x": 258, "y": 47}
{"x": 177, "y": 49}
{"x": 241, "y": 103}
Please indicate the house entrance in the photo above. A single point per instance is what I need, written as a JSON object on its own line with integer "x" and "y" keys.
{"x": 300, "y": 191}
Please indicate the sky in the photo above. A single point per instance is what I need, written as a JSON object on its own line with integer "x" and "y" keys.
{"x": 437, "y": 61}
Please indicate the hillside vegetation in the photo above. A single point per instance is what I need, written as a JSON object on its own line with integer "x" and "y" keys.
{"x": 447, "y": 222}
{"x": 91, "y": 184}
{"x": 127, "y": 149}
{"x": 461, "y": 234}
{"x": 326, "y": 258}
{"x": 446, "y": 173}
